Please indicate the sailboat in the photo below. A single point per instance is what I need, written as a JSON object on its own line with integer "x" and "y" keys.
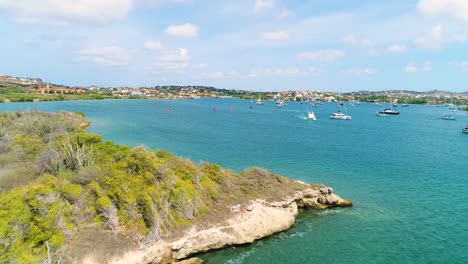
{"x": 406, "y": 103}
{"x": 259, "y": 100}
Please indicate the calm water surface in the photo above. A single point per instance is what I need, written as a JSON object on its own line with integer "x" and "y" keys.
{"x": 407, "y": 175}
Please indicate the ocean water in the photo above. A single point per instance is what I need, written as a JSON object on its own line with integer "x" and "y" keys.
{"x": 407, "y": 175}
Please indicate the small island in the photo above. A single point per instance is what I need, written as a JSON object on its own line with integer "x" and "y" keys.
{"x": 67, "y": 196}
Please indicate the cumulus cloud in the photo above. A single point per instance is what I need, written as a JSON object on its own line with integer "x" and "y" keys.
{"x": 397, "y": 48}
{"x": 418, "y": 67}
{"x": 261, "y": 6}
{"x": 438, "y": 37}
{"x": 326, "y": 55}
{"x": 275, "y": 35}
{"x": 186, "y": 30}
{"x": 167, "y": 59}
{"x": 359, "y": 72}
{"x": 456, "y": 8}
{"x": 66, "y": 11}
{"x": 106, "y": 56}
{"x": 153, "y": 45}
{"x": 459, "y": 64}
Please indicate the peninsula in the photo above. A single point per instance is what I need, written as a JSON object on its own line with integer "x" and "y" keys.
{"x": 68, "y": 196}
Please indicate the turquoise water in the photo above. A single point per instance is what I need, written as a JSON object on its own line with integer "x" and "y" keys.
{"x": 407, "y": 175}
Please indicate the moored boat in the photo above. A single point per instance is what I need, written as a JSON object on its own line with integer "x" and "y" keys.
{"x": 465, "y": 129}
{"x": 389, "y": 111}
{"x": 340, "y": 116}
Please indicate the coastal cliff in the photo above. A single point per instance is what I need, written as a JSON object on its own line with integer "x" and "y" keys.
{"x": 68, "y": 196}
{"x": 246, "y": 223}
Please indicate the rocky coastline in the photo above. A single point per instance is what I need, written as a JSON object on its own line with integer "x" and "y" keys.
{"x": 248, "y": 222}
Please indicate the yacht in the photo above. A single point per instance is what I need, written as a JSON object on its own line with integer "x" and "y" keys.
{"x": 465, "y": 129}
{"x": 280, "y": 103}
{"x": 389, "y": 111}
{"x": 340, "y": 116}
{"x": 448, "y": 117}
{"x": 311, "y": 115}
{"x": 259, "y": 101}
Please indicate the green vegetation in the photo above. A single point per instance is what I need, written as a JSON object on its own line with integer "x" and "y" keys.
{"x": 58, "y": 181}
{"x": 14, "y": 94}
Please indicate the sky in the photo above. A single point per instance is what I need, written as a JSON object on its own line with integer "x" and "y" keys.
{"x": 259, "y": 45}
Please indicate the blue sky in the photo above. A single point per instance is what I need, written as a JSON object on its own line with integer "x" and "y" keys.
{"x": 267, "y": 45}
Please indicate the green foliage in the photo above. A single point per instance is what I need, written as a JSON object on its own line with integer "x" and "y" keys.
{"x": 71, "y": 191}
{"x": 104, "y": 202}
{"x": 83, "y": 138}
{"x": 12, "y": 90}
{"x": 75, "y": 179}
{"x": 30, "y": 146}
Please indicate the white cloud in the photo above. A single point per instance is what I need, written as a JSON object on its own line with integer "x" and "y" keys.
{"x": 106, "y": 56}
{"x": 418, "y": 67}
{"x": 459, "y": 64}
{"x": 167, "y": 59}
{"x": 186, "y": 30}
{"x": 153, "y": 45}
{"x": 433, "y": 40}
{"x": 157, "y": 3}
{"x": 275, "y": 35}
{"x": 359, "y": 72}
{"x": 411, "y": 68}
{"x": 200, "y": 66}
{"x": 285, "y": 13}
{"x": 326, "y": 55}
{"x": 218, "y": 75}
{"x": 438, "y": 37}
{"x": 283, "y": 72}
{"x": 397, "y": 48}
{"x": 456, "y": 8}
{"x": 363, "y": 44}
{"x": 60, "y": 12}
{"x": 263, "y": 5}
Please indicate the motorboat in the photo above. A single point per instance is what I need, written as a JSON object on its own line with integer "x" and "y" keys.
{"x": 339, "y": 115}
{"x": 448, "y": 117}
{"x": 311, "y": 115}
{"x": 465, "y": 129}
{"x": 280, "y": 103}
{"x": 389, "y": 111}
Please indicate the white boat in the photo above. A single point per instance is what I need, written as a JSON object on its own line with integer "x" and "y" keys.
{"x": 406, "y": 103}
{"x": 311, "y": 115}
{"x": 448, "y": 117}
{"x": 389, "y": 111}
{"x": 280, "y": 103}
{"x": 465, "y": 129}
{"x": 259, "y": 100}
{"x": 340, "y": 116}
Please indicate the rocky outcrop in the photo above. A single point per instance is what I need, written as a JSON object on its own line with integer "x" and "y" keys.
{"x": 251, "y": 221}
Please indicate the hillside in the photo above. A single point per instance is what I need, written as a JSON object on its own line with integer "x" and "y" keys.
{"x": 63, "y": 191}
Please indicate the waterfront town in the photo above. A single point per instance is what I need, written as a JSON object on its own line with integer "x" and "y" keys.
{"x": 38, "y": 90}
